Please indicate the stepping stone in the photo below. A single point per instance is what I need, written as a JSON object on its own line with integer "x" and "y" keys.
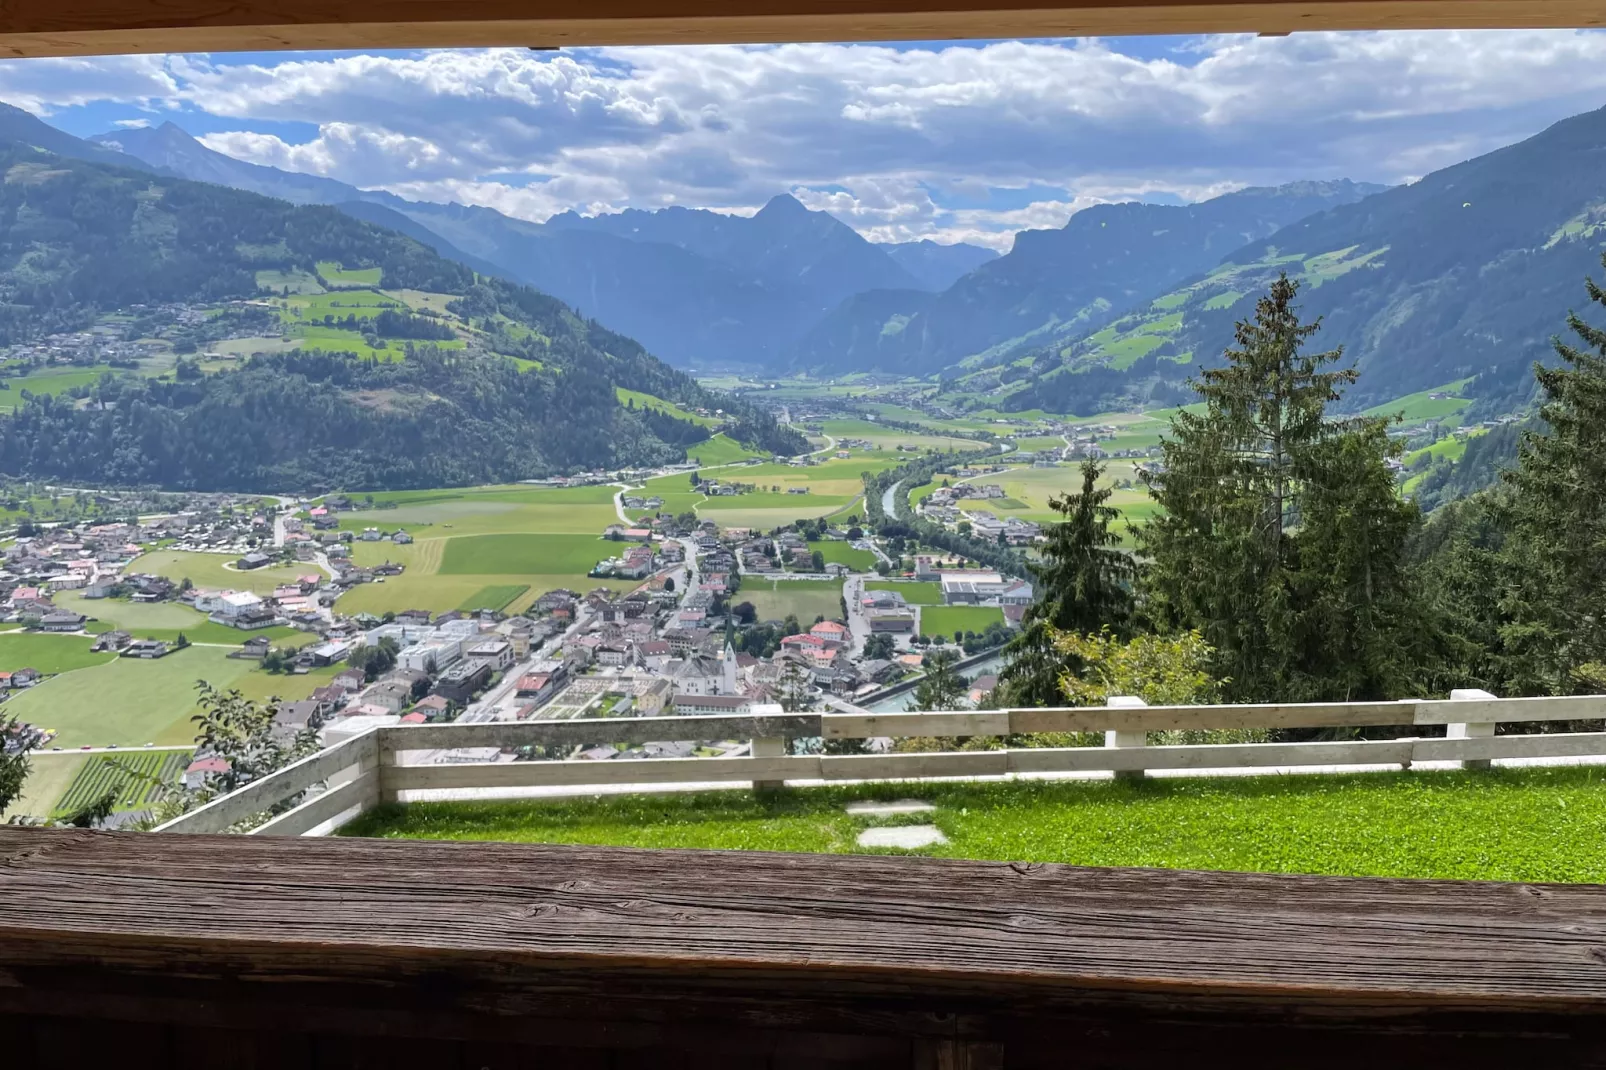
{"x": 907, "y": 837}
{"x": 871, "y": 808}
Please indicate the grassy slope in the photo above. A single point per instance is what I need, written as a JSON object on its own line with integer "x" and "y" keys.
{"x": 1518, "y": 825}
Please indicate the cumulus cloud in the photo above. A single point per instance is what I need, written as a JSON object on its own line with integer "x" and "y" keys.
{"x": 953, "y": 142}
{"x": 45, "y": 85}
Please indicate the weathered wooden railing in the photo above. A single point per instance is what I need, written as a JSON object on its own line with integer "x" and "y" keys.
{"x": 136, "y": 951}
{"x": 382, "y": 764}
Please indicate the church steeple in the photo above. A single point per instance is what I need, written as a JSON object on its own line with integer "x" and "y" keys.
{"x": 728, "y": 676}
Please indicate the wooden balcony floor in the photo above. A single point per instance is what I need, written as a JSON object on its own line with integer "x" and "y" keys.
{"x": 298, "y": 952}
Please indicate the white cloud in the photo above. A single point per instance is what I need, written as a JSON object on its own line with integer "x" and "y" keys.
{"x": 44, "y": 85}
{"x": 131, "y": 124}
{"x": 947, "y": 142}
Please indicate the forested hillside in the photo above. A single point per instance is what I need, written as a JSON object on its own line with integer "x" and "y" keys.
{"x": 1461, "y": 275}
{"x": 528, "y": 390}
{"x": 1057, "y": 283}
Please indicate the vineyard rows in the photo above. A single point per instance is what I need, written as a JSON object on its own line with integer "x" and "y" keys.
{"x": 136, "y": 775}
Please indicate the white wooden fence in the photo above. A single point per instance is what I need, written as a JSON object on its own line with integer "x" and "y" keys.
{"x": 374, "y": 767}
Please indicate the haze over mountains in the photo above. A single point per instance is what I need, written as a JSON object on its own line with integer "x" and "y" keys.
{"x": 1464, "y": 274}
{"x": 698, "y": 288}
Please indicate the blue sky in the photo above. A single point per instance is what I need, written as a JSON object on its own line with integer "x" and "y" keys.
{"x": 953, "y": 141}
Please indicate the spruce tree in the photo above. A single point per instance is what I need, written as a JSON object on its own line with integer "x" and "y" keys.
{"x": 1280, "y": 536}
{"x": 1083, "y": 586}
{"x": 1556, "y": 555}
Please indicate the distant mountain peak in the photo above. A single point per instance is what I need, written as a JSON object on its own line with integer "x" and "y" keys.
{"x": 781, "y": 206}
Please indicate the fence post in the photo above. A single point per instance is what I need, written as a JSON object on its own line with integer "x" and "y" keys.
{"x": 1122, "y": 739}
{"x": 1470, "y": 729}
{"x": 768, "y": 746}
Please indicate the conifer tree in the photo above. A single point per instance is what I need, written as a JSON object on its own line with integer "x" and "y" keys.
{"x": 1556, "y": 555}
{"x": 1281, "y": 537}
{"x": 1083, "y": 587}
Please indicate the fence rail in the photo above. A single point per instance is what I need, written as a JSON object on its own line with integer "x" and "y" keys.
{"x": 374, "y": 767}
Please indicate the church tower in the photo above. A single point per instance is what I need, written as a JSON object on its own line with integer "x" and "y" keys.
{"x": 728, "y": 680}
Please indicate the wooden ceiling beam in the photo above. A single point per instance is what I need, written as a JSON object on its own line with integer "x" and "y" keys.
{"x": 97, "y": 27}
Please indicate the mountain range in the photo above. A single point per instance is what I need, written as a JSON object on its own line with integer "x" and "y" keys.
{"x": 1459, "y": 278}
{"x": 494, "y": 381}
{"x": 1456, "y": 281}
{"x": 699, "y": 288}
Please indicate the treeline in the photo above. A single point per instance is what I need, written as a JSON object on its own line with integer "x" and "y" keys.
{"x": 318, "y": 421}
{"x": 1283, "y": 565}
{"x": 923, "y": 532}
{"x": 559, "y": 333}
{"x": 392, "y": 324}
{"x": 78, "y": 239}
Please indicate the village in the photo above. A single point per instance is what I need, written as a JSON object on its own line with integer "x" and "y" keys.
{"x": 679, "y": 639}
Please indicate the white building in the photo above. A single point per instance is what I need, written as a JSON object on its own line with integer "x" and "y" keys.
{"x": 432, "y": 655}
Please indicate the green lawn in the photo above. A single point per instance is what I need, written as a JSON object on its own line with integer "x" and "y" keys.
{"x": 915, "y": 592}
{"x": 500, "y": 555}
{"x": 834, "y": 550}
{"x": 808, "y": 599}
{"x": 47, "y": 653}
{"x": 1515, "y": 825}
{"x": 946, "y": 620}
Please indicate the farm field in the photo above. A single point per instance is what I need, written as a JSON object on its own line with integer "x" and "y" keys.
{"x": 297, "y": 282}
{"x": 214, "y": 571}
{"x": 130, "y": 702}
{"x": 891, "y": 438}
{"x": 1534, "y": 825}
{"x": 482, "y": 539}
{"x": 45, "y": 381}
{"x": 651, "y": 401}
{"x": 137, "y": 776}
{"x": 495, "y": 597}
{"x": 838, "y": 552}
{"x": 721, "y": 449}
{"x": 946, "y": 620}
{"x": 1028, "y": 490}
{"x": 915, "y": 592}
{"x": 523, "y": 554}
{"x": 49, "y": 774}
{"x": 165, "y": 620}
{"x": 776, "y": 599}
{"x": 332, "y": 272}
{"x": 1421, "y": 407}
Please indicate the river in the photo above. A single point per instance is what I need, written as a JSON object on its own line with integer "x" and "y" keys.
{"x": 897, "y": 703}
{"x": 889, "y": 501}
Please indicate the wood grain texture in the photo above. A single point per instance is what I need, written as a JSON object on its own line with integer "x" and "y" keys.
{"x": 86, "y": 27}
{"x": 582, "y": 957}
{"x": 887, "y": 921}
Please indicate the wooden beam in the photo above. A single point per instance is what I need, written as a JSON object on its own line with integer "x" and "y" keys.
{"x": 490, "y": 942}
{"x": 89, "y": 27}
